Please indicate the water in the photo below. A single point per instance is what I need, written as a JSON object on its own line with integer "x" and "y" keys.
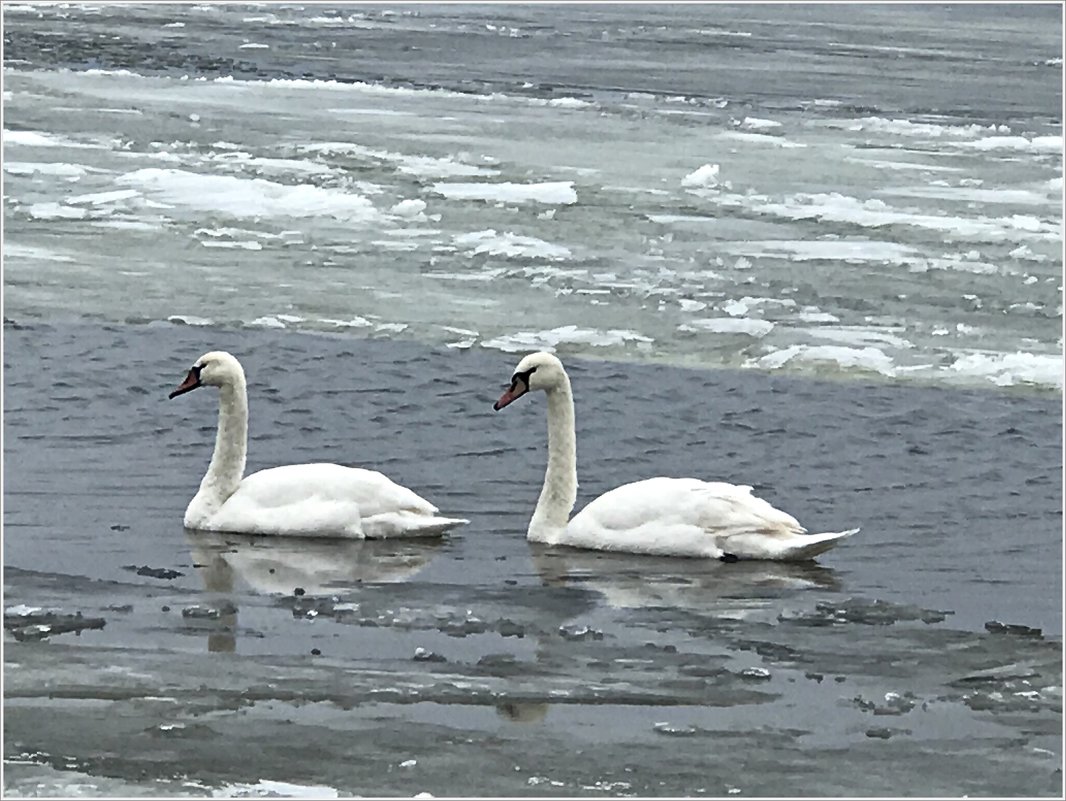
{"x": 782, "y": 191}
{"x": 906, "y": 661}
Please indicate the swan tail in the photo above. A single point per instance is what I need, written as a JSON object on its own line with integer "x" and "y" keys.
{"x": 408, "y": 524}
{"x": 811, "y": 545}
{"x": 433, "y": 526}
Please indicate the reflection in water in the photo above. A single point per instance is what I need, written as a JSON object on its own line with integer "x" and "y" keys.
{"x": 280, "y": 565}
{"x": 634, "y": 581}
{"x": 522, "y": 712}
{"x": 283, "y": 565}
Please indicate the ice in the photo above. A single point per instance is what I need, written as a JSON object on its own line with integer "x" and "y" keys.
{"x": 759, "y": 139}
{"x": 41, "y": 139}
{"x": 860, "y": 336}
{"x": 430, "y": 167}
{"x": 253, "y": 46}
{"x": 265, "y": 788}
{"x": 756, "y": 124}
{"x": 569, "y": 102}
{"x": 249, "y": 197}
{"x": 189, "y": 319}
{"x": 867, "y": 358}
{"x": 99, "y": 198}
{"x": 20, "y": 610}
{"x": 510, "y": 245}
{"x": 567, "y": 334}
{"x": 882, "y": 164}
{"x": 875, "y": 213}
{"x": 1010, "y": 369}
{"x": 738, "y": 308}
{"x": 1037, "y": 144}
{"x": 706, "y": 176}
{"x": 410, "y": 209}
{"x": 729, "y": 325}
{"x": 56, "y": 211}
{"x": 926, "y": 130}
{"x": 1021, "y": 197}
{"x": 849, "y": 250}
{"x": 553, "y": 192}
{"x": 268, "y": 321}
{"x": 246, "y": 245}
{"x": 45, "y": 168}
{"x": 16, "y": 252}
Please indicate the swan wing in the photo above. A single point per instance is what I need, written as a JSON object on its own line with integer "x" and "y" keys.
{"x": 690, "y": 517}
{"x": 327, "y": 500}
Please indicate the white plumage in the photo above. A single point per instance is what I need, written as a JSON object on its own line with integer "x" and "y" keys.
{"x": 660, "y": 516}
{"x": 305, "y": 500}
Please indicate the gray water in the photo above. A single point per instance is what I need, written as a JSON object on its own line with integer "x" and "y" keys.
{"x": 859, "y": 315}
{"x": 601, "y": 673}
{"x": 772, "y": 189}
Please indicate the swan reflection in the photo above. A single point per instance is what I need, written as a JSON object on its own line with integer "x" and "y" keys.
{"x": 280, "y": 565}
{"x": 634, "y": 581}
{"x": 284, "y": 566}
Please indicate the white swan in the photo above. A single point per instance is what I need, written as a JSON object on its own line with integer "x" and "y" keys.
{"x": 662, "y": 516}
{"x": 307, "y": 500}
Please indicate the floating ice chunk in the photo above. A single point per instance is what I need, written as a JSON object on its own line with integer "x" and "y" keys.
{"x": 759, "y": 139}
{"x": 410, "y": 209}
{"x": 756, "y": 124}
{"x": 408, "y": 763}
{"x": 13, "y": 250}
{"x": 189, "y": 319}
{"x": 510, "y": 245}
{"x": 705, "y": 177}
{"x": 867, "y": 358}
{"x": 569, "y": 102}
{"x": 266, "y": 788}
{"x": 244, "y": 197}
{"x": 688, "y": 305}
{"x": 267, "y": 321}
{"x": 553, "y": 192}
{"x": 1038, "y": 144}
{"x": 41, "y": 139}
{"x": 850, "y": 250}
{"x": 55, "y": 211}
{"x": 860, "y": 336}
{"x": 729, "y": 325}
{"x": 1010, "y": 369}
{"x": 21, "y": 610}
{"x": 253, "y": 46}
{"x": 45, "y": 168}
{"x": 98, "y": 198}
{"x": 568, "y": 334}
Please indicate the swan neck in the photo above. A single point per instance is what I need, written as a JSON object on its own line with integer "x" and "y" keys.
{"x": 559, "y": 493}
{"x": 231, "y": 443}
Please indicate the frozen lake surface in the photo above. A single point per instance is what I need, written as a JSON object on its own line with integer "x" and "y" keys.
{"x": 773, "y": 245}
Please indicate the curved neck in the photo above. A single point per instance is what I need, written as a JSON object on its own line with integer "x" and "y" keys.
{"x": 226, "y": 470}
{"x": 559, "y": 493}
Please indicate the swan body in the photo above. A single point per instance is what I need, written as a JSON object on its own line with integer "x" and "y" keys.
{"x": 305, "y": 500}
{"x": 658, "y": 516}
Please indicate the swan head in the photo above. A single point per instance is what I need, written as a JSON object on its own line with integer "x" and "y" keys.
{"x": 214, "y": 369}
{"x": 537, "y": 371}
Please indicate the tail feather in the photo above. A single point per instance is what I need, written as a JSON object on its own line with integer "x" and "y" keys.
{"x": 408, "y": 524}
{"x": 811, "y": 545}
{"x": 779, "y": 546}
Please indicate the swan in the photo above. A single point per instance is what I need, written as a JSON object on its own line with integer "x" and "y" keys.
{"x": 302, "y": 500}
{"x": 657, "y": 516}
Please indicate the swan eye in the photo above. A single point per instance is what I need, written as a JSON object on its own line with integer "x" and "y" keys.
{"x": 523, "y": 376}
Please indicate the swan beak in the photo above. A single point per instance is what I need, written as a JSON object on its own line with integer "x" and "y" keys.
{"x": 191, "y": 382}
{"x": 517, "y": 389}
